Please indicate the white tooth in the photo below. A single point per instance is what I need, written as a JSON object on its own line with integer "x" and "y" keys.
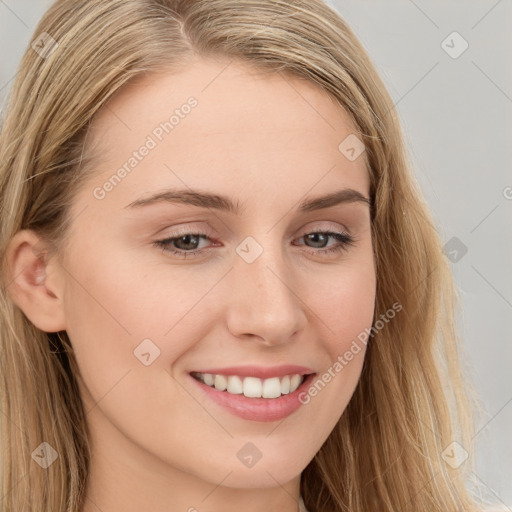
{"x": 295, "y": 382}
{"x": 220, "y": 382}
{"x": 285, "y": 385}
{"x": 252, "y": 387}
{"x": 235, "y": 385}
{"x": 208, "y": 379}
{"x": 271, "y": 388}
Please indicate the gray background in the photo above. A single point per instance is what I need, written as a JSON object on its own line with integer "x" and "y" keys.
{"x": 456, "y": 115}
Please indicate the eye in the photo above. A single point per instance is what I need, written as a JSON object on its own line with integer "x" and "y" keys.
{"x": 186, "y": 244}
{"x": 322, "y": 237}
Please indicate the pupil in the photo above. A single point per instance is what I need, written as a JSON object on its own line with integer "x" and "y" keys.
{"x": 314, "y": 238}
{"x": 186, "y": 238}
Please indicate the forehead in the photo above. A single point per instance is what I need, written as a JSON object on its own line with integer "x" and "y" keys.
{"x": 228, "y": 125}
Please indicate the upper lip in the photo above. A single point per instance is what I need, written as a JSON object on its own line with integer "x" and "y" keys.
{"x": 262, "y": 372}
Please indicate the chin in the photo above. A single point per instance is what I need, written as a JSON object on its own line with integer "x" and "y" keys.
{"x": 263, "y": 474}
{"x": 259, "y": 479}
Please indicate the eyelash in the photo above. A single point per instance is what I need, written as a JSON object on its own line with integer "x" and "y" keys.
{"x": 345, "y": 240}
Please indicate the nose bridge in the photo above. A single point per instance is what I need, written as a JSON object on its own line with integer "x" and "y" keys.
{"x": 263, "y": 300}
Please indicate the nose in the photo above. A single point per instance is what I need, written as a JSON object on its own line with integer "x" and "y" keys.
{"x": 264, "y": 300}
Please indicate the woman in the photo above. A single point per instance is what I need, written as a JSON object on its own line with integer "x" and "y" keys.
{"x": 251, "y": 370}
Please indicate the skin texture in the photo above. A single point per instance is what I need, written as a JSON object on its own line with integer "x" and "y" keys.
{"x": 267, "y": 141}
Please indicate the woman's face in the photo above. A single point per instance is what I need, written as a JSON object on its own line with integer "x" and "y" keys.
{"x": 254, "y": 286}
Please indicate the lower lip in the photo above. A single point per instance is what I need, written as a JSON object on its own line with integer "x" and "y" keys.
{"x": 256, "y": 409}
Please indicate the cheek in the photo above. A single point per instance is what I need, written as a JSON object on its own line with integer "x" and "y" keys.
{"x": 344, "y": 305}
{"x": 99, "y": 327}
{"x": 114, "y": 304}
{"x": 344, "y": 301}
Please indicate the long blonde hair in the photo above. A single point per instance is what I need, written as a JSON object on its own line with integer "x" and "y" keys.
{"x": 386, "y": 452}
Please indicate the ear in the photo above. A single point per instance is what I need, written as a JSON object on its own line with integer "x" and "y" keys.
{"x": 35, "y": 281}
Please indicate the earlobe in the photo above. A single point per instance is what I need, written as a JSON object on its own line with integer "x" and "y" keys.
{"x": 35, "y": 281}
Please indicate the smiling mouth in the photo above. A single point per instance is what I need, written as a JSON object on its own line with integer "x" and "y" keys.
{"x": 252, "y": 387}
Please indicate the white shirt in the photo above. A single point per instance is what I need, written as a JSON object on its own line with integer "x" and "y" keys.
{"x": 302, "y": 507}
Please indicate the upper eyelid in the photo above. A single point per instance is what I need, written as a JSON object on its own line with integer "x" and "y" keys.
{"x": 211, "y": 232}
{"x": 331, "y": 232}
{"x": 350, "y": 239}
{"x": 204, "y": 234}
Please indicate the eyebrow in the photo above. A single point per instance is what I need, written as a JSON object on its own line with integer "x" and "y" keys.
{"x": 223, "y": 203}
